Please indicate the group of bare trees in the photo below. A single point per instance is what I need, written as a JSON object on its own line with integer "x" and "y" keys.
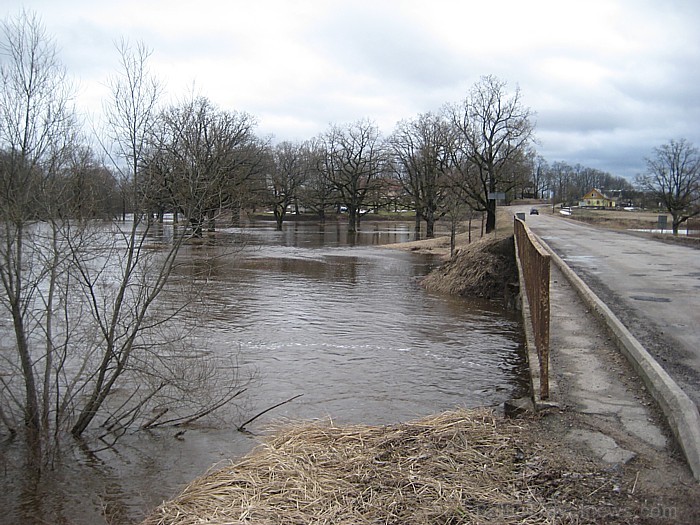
{"x": 201, "y": 159}
{"x": 448, "y": 163}
{"x": 566, "y": 184}
{"x": 670, "y": 183}
{"x": 89, "y": 346}
{"x": 433, "y": 164}
{"x": 88, "y": 343}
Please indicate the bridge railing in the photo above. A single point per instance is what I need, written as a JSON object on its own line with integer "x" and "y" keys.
{"x": 534, "y": 264}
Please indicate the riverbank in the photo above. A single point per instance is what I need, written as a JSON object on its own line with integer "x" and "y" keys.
{"x": 601, "y": 406}
{"x": 461, "y": 466}
{"x": 458, "y": 466}
{"x": 484, "y": 269}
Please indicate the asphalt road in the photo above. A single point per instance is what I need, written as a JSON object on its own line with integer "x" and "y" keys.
{"x": 652, "y": 287}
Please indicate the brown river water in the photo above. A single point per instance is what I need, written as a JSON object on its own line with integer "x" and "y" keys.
{"x": 311, "y": 311}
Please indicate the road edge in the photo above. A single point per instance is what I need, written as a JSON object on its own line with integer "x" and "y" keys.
{"x": 681, "y": 413}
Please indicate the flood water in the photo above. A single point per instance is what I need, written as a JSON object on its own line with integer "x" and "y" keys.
{"x": 308, "y": 311}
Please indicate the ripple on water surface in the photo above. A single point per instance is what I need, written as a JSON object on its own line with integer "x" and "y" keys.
{"x": 351, "y": 329}
{"x": 346, "y": 326}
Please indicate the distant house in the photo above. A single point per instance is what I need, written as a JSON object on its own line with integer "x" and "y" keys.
{"x": 597, "y": 199}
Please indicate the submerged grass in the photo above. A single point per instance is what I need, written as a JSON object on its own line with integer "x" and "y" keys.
{"x": 455, "y": 467}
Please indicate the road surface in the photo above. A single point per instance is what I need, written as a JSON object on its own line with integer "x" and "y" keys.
{"x": 652, "y": 287}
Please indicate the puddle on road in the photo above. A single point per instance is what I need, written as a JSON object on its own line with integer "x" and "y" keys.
{"x": 650, "y": 298}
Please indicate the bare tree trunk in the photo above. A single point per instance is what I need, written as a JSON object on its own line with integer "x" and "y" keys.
{"x": 429, "y": 225}
{"x": 14, "y": 284}
{"x": 470, "y": 227}
{"x": 417, "y": 225}
{"x": 31, "y": 412}
{"x": 279, "y": 213}
{"x": 676, "y": 221}
{"x": 491, "y": 216}
{"x": 352, "y": 219}
{"x": 48, "y": 366}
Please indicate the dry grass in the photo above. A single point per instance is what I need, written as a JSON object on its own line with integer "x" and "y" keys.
{"x": 455, "y": 467}
{"x": 481, "y": 269}
{"x": 634, "y": 221}
{"x": 441, "y": 245}
{"x": 613, "y": 219}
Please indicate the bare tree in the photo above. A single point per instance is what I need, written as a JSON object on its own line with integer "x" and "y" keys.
{"x": 559, "y": 180}
{"x": 539, "y": 176}
{"x": 158, "y": 188}
{"x": 210, "y": 153}
{"x": 288, "y": 172}
{"x": 87, "y": 299}
{"x": 130, "y": 116}
{"x": 317, "y": 193}
{"x": 126, "y": 291}
{"x": 673, "y": 177}
{"x": 132, "y": 279}
{"x": 37, "y": 124}
{"x": 458, "y": 208}
{"x": 492, "y": 128}
{"x": 421, "y": 160}
{"x": 353, "y": 161}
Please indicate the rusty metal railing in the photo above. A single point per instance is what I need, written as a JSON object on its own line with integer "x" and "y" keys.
{"x": 534, "y": 262}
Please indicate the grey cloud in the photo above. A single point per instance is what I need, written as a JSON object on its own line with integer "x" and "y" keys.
{"x": 596, "y": 104}
{"x": 389, "y": 47}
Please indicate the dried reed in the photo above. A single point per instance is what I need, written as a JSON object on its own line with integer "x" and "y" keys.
{"x": 480, "y": 269}
{"x": 455, "y": 467}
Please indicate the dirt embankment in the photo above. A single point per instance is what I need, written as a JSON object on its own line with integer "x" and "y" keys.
{"x": 485, "y": 269}
{"x": 483, "y": 266}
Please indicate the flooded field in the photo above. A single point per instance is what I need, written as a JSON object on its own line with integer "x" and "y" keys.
{"x": 310, "y": 312}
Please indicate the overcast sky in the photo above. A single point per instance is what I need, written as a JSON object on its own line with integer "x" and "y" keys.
{"x": 608, "y": 80}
